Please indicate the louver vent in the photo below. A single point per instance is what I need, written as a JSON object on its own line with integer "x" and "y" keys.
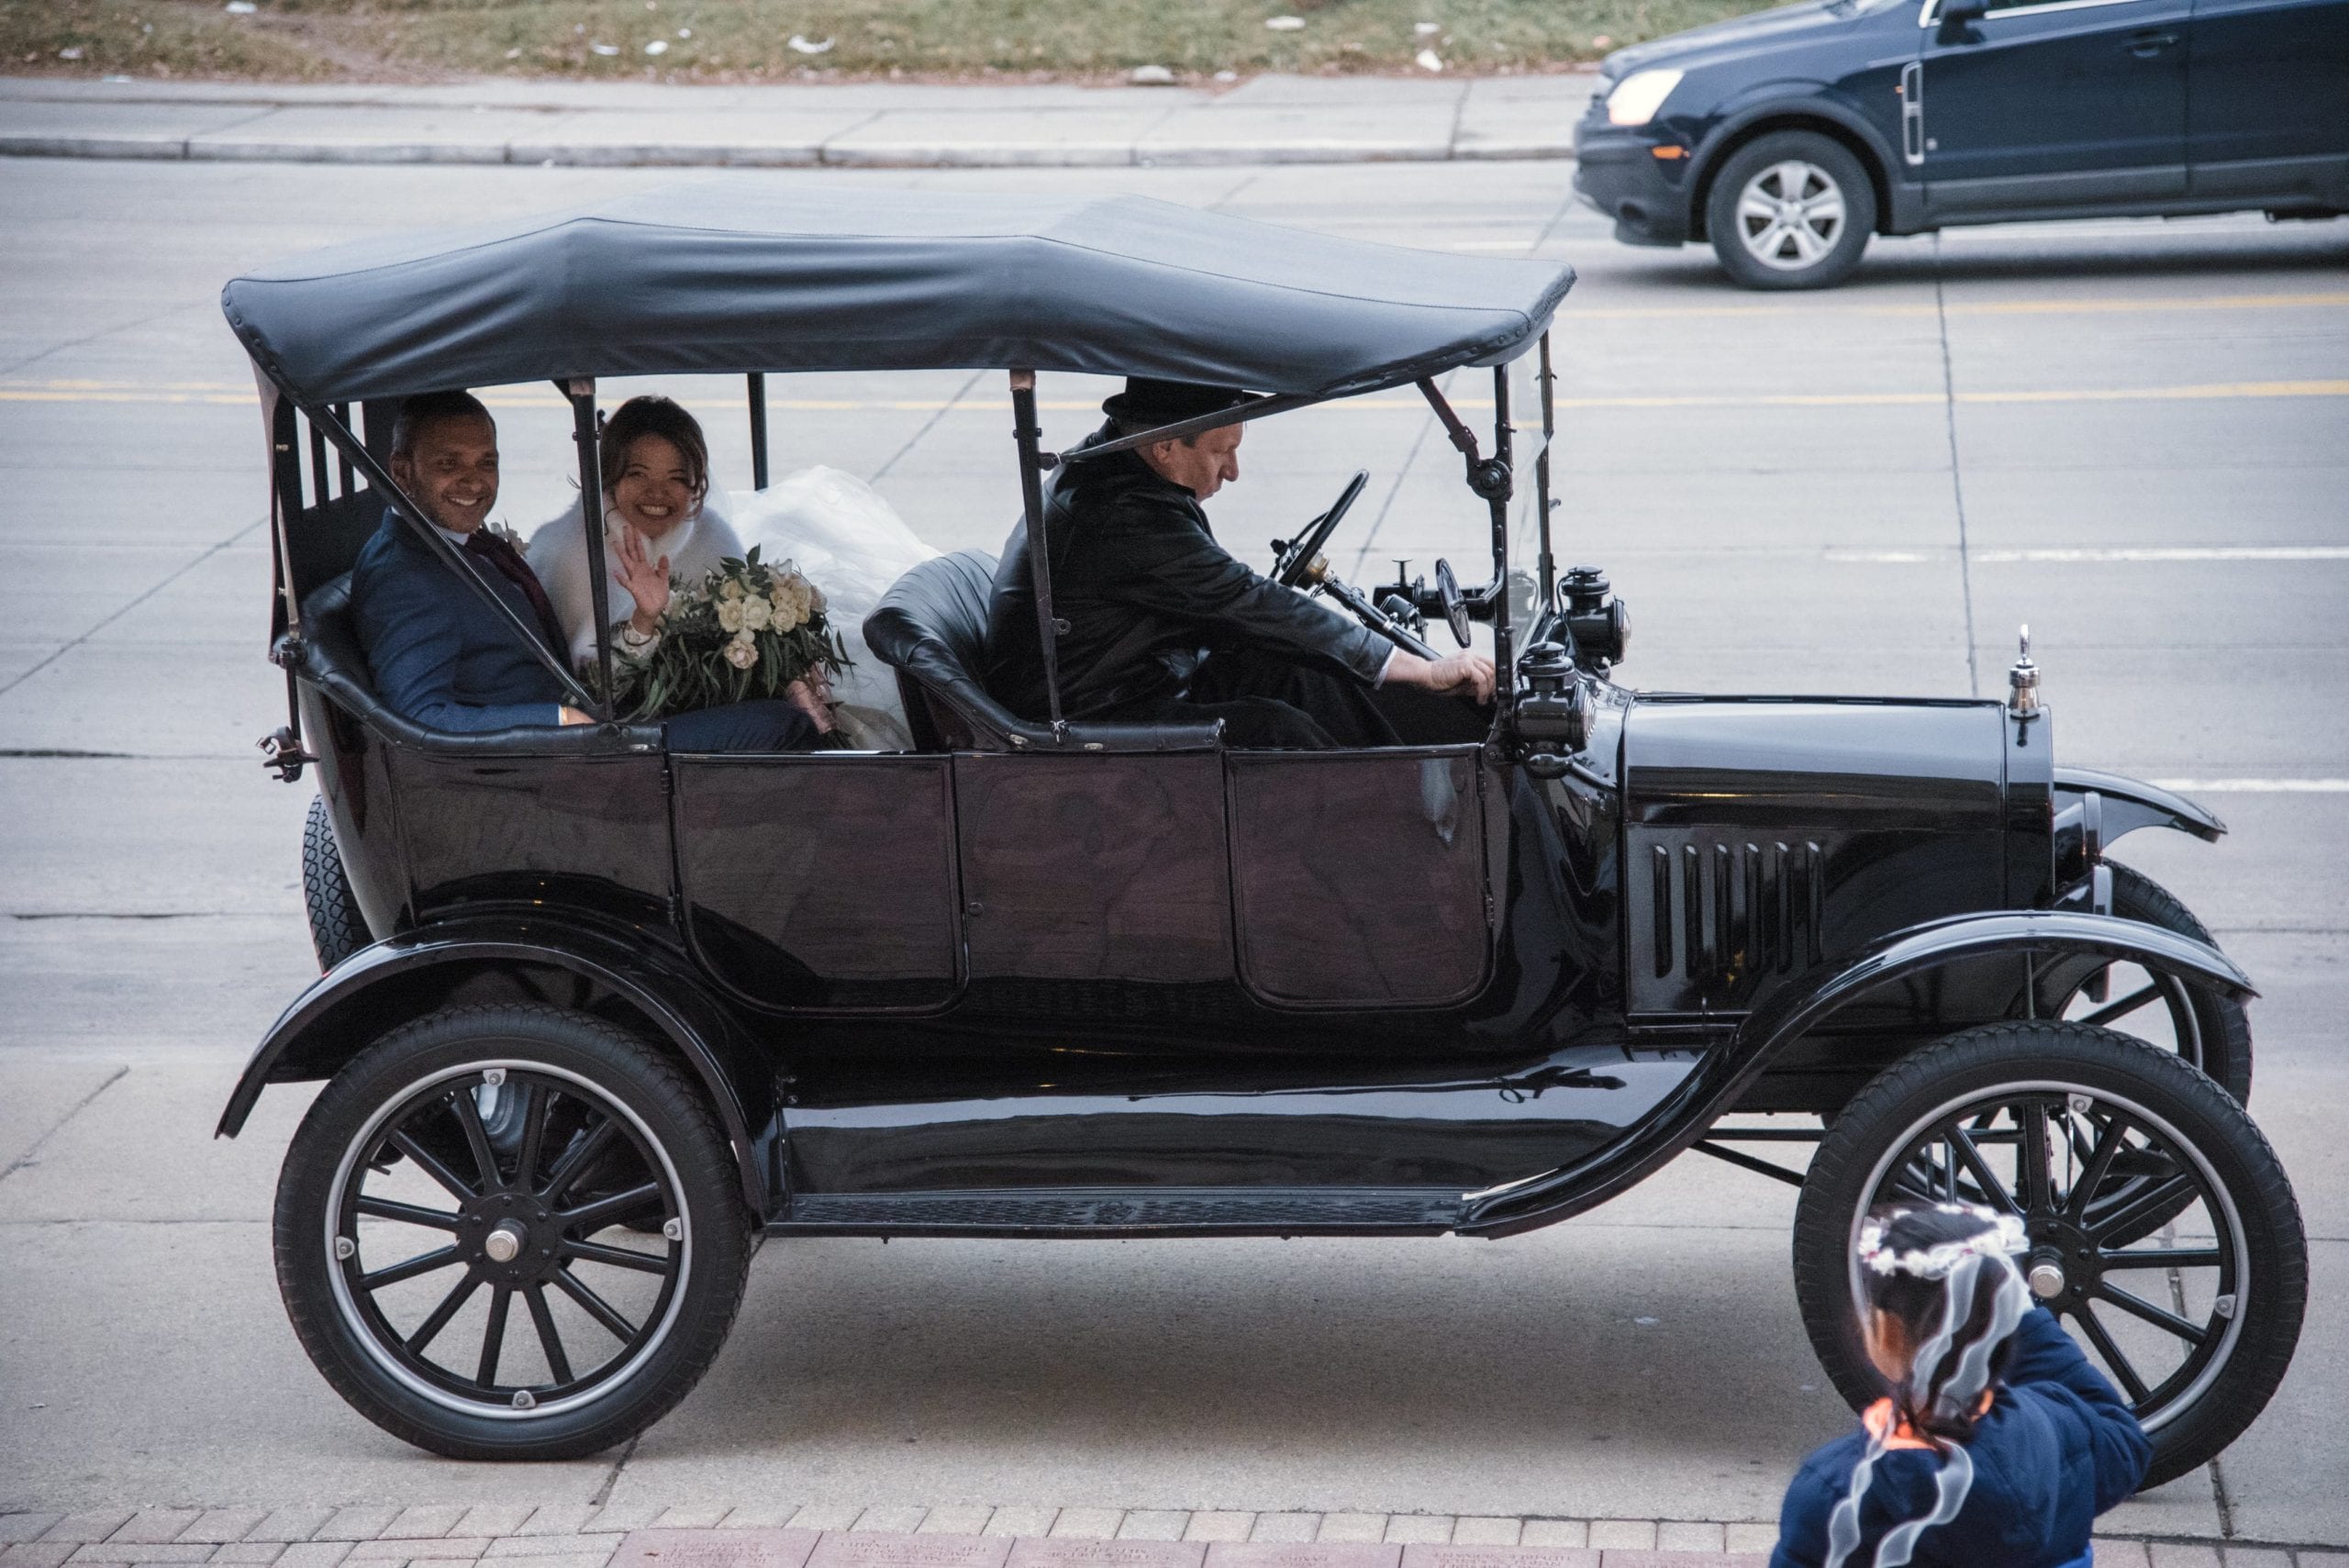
{"x": 1722, "y": 912}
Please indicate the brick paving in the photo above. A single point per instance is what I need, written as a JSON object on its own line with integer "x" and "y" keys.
{"x": 831, "y": 1535}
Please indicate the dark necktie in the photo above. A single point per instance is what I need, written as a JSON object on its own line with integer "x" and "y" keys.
{"x": 516, "y": 571}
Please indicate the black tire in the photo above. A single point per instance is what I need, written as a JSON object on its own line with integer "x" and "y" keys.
{"x": 2070, "y": 1080}
{"x": 620, "y": 1131}
{"x": 2211, "y": 1031}
{"x": 336, "y": 929}
{"x": 1765, "y": 253}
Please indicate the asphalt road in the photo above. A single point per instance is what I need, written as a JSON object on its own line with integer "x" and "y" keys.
{"x": 2134, "y": 436}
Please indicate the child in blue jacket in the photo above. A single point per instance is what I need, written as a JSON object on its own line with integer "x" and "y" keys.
{"x": 1999, "y": 1445}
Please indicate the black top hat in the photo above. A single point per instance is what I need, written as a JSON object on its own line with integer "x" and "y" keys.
{"x": 1149, "y": 402}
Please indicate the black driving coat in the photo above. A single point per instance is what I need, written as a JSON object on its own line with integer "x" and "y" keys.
{"x": 1146, "y": 593}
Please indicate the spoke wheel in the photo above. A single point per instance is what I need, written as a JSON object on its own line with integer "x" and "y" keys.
{"x": 2211, "y": 1031}
{"x": 2161, "y": 1229}
{"x": 510, "y": 1232}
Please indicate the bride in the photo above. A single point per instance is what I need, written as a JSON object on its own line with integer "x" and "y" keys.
{"x": 664, "y": 524}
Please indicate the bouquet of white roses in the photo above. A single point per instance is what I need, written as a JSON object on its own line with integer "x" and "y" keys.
{"x": 746, "y": 630}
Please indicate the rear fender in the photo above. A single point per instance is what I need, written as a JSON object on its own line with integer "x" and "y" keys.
{"x": 2032, "y": 937}
{"x": 521, "y": 958}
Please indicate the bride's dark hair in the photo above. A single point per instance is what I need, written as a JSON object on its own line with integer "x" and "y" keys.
{"x": 653, "y": 415}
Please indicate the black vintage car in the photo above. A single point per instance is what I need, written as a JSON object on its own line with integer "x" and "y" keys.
{"x": 597, "y": 1017}
{"x": 1787, "y": 137}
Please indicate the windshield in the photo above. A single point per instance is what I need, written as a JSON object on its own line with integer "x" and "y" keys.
{"x": 1528, "y": 584}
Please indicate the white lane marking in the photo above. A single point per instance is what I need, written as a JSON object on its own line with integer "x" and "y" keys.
{"x": 2088, "y": 305}
{"x": 2254, "y": 786}
{"x": 2116, "y": 553}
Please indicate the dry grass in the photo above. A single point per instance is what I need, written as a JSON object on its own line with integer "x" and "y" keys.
{"x": 750, "y": 39}
{"x": 146, "y": 38}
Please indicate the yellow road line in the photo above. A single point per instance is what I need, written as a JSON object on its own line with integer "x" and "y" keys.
{"x": 2201, "y": 391}
{"x": 2214, "y": 390}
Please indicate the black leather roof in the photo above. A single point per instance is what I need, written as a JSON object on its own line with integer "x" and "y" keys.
{"x": 749, "y": 273}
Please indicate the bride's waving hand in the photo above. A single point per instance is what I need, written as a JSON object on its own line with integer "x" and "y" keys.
{"x": 646, "y": 580}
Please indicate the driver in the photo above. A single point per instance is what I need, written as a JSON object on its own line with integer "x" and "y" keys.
{"x": 1162, "y": 624}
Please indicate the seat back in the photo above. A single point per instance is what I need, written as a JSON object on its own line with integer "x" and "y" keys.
{"x": 327, "y": 654}
{"x": 931, "y": 629}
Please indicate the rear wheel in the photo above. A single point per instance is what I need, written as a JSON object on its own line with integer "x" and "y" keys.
{"x": 2087, "y": 1135}
{"x": 336, "y": 929}
{"x": 1790, "y": 211}
{"x": 511, "y": 1232}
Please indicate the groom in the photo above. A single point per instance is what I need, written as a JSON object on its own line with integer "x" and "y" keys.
{"x": 445, "y": 659}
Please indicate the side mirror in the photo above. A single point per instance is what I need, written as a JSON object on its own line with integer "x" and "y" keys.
{"x": 1956, "y": 15}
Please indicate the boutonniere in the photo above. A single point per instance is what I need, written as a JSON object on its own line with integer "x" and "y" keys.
{"x": 502, "y": 531}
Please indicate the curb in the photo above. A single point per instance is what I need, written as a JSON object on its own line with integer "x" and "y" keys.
{"x": 1271, "y": 119}
{"x": 823, "y": 1535}
{"x": 966, "y": 155}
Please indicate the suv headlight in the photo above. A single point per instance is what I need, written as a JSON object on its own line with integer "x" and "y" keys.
{"x": 1638, "y": 96}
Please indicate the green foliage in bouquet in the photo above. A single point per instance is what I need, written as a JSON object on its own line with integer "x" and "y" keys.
{"x": 747, "y": 631}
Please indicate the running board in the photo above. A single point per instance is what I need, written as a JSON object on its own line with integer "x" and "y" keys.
{"x": 1124, "y": 1211}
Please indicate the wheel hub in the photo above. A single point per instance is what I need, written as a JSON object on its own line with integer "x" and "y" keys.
{"x": 515, "y": 1239}
{"x": 2062, "y": 1265}
{"x": 502, "y": 1244}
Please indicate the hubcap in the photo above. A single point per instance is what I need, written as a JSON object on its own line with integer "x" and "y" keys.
{"x": 503, "y": 1243}
{"x": 2046, "y": 1280}
{"x": 1790, "y": 215}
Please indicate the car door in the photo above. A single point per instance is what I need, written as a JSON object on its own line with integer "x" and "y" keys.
{"x": 1359, "y": 878}
{"x": 2267, "y": 100}
{"x": 2045, "y": 109}
{"x": 821, "y": 880}
{"x": 1097, "y": 869}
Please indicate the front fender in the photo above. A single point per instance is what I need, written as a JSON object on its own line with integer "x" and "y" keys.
{"x": 2130, "y": 804}
{"x": 406, "y": 976}
{"x": 1800, "y": 1007}
{"x": 1792, "y": 101}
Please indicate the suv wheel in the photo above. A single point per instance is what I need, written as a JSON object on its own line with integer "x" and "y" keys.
{"x": 1790, "y": 211}
{"x": 511, "y": 1232}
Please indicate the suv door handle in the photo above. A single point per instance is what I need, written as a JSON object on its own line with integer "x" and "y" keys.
{"x": 2145, "y": 46}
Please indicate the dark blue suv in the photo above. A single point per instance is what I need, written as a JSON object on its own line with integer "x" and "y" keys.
{"x": 1788, "y": 136}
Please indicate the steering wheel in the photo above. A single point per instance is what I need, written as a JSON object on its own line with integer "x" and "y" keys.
{"x": 1296, "y": 557}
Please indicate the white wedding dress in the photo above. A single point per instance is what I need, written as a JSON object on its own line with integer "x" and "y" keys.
{"x": 832, "y": 526}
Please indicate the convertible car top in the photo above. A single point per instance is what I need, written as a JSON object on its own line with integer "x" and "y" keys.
{"x": 735, "y": 274}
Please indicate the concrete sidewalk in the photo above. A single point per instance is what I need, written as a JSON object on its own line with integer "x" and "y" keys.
{"x": 768, "y": 1535}
{"x": 1271, "y": 119}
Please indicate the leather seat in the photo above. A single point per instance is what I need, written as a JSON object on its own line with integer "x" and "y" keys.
{"x": 931, "y": 629}
{"x": 328, "y": 655}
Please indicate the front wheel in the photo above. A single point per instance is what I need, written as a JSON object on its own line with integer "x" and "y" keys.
{"x": 2180, "y": 1012}
{"x": 511, "y": 1232}
{"x": 2162, "y": 1229}
{"x": 1790, "y": 211}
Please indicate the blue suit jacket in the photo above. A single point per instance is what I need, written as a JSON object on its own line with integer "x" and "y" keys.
{"x": 438, "y": 655}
